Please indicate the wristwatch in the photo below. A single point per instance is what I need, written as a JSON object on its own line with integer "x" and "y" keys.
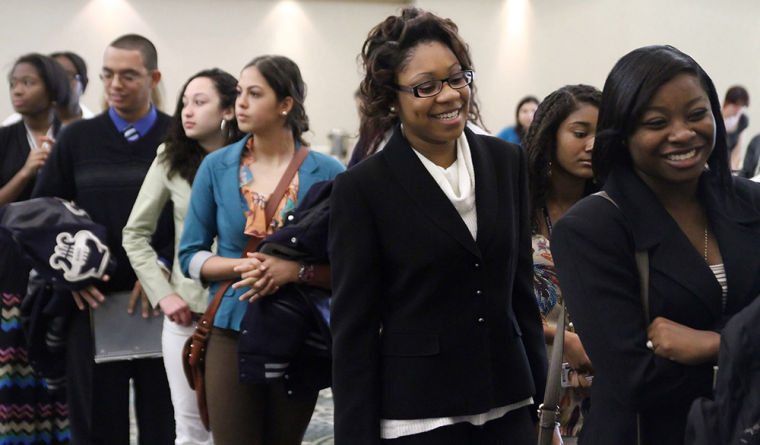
{"x": 306, "y": 273}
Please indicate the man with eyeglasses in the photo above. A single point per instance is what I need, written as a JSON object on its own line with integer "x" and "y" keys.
{"x": 100, "y": 164}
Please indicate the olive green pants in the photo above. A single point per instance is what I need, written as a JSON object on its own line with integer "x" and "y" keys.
{"x": 249, "y": 414}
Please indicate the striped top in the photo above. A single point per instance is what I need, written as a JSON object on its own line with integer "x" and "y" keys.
{"x": 719, "y": 271}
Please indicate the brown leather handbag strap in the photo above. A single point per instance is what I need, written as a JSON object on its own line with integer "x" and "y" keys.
{"x": 271, "y": 206}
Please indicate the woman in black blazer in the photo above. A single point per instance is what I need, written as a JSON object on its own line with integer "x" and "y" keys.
{"x": 661, "y": 153}
{"x": 436, "y": 333}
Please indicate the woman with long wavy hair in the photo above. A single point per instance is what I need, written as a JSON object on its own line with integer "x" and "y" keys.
{"x": 559, "y": 145}
{"x": 203, "y": 122}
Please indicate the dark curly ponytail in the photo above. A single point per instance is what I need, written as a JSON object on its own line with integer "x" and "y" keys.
{"x": 384, "y": 54}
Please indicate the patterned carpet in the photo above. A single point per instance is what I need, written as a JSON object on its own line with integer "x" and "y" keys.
{"x": 320, "y": 431}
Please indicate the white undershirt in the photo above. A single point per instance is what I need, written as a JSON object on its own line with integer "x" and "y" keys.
{"x": 32, "y": 140}
{"x": 458, "y": 184}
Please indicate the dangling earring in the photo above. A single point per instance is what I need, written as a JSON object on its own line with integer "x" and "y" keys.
{"x": 550, "y": 169}
{"x": 222, "y": 125}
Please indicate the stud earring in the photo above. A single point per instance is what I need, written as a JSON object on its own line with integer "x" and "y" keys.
{"x": 393, "y": 109}
{"x": 222, "y": 125}
{"x": 284, "y": 113}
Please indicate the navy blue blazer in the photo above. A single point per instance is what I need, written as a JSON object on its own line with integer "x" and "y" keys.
{"x": 427, "y": 321}
{"x": 593, "y": 247}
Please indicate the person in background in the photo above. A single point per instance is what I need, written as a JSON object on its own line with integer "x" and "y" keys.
{"x": 735, "y": 117}
{"x": 559, "y": 144}
{"x": 100, "y": 163}
{"x": 76, "y": 69}
{"x": 31, "y": 414}
{"x": 661, "y": 155}
{"x": 524, "y": 112}
{"x": 437, "y": 337}
{"x": 204, "y": 121}
{"x": 72, "y": 109}
{"x": 228, "y": 201}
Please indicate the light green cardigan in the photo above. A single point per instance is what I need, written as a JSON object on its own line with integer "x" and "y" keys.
{"x": 157, "y": 189}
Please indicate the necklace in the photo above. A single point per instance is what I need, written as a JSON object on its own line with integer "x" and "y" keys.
{"x": 705, "y": 242}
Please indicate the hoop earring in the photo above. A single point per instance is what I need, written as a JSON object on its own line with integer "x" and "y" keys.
{"x": 222, "y": 125}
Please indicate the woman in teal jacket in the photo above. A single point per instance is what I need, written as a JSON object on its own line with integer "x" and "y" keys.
{"x": 227, "y": 204}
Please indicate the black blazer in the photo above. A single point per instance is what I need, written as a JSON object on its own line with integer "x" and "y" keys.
{"x": 593, "y": 246}
{"x": 427, "y": 322}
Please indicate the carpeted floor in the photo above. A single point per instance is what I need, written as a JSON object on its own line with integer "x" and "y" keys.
{"x": 320, "y": 431}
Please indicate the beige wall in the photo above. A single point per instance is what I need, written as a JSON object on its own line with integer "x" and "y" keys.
{"x": 519, "y": 46}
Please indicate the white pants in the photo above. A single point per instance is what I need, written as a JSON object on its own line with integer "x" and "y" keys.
{"x": 190, "y": 430}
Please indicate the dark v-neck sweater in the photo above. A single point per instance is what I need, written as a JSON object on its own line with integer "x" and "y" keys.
{"x": 95, "y": 166}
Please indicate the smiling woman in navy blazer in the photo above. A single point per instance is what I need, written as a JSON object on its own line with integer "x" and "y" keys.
{"x": 661, "y": 152}
{"x": 437, "y": 336}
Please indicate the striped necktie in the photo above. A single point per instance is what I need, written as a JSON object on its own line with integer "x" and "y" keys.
{"x": 131, "y": 134}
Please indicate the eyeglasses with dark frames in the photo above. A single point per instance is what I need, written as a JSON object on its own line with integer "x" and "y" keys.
{"x": 433, "y": 87}
{"x": 127, "y": 76}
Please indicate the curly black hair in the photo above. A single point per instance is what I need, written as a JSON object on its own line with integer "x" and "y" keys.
{"x": 385, "y": 53}
{"x": 541, "y": 140}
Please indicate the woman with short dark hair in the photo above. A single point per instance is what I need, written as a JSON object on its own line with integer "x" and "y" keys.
{"x": 524, "y": 113}
{"x": 661, "y": 154}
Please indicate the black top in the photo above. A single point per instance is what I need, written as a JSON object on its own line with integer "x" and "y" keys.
{"x": 94, "y": 165}
{"x": 14, "y": 149}
{"x": 426, "y": 321}
{"x": 593, "y": 246}
{"x": 733, "y": 138}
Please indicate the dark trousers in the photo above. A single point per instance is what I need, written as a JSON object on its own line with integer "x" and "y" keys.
{"x": 249, "y": 414}
{"x": 514, "y": 428}
{"x": 98, "y": 395}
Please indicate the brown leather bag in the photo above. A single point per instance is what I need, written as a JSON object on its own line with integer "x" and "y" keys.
{"x": 194, "y": 350}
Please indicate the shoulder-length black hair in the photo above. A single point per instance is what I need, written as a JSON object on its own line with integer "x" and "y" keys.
{"x": 78, "y": 63}
{"x": 52, "y": 74}
{"x": 284, "y": 76}
{"x": 385, "y": 53}
{"x": 630, "y": 86}
{"x": 541, "y": 140}
{"x": 522, "y": 131}
{"x": 183, "y": 155}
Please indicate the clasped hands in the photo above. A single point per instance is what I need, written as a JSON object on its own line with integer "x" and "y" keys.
{"x": 264, "y": 275}
{"x": 681, "y": 343}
